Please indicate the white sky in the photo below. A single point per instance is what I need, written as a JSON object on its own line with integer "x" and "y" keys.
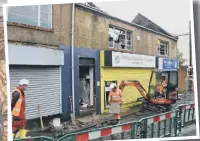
{"x": 171, "y": 15}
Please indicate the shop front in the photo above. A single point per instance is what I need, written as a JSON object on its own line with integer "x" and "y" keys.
{"x": 42, "y": 67}
{"x": 118, "y": 66}
{"x": 169, "y": 68}
{"x": 86, "y": 81}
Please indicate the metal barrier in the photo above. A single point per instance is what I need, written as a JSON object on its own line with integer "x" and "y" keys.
{"x": 163, "y": 125}
{"x": 116, "y": 132}
{"x": 40, "y": 138}
{"x": 187, "y": 114}
{"x": 168, "y": 124}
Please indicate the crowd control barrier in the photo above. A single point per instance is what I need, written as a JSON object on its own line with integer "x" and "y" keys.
{"x": 39, "y": 138}
{"x": 169, "y": 124}
{"x": 163, "y": 125}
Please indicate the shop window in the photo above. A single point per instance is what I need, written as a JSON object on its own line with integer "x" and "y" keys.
{"x": 36, "y": 15}
{"x": 119, "y": 38}
{"x": 163, "y": 48}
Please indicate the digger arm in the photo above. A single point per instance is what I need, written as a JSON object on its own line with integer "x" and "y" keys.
{"x": 133, "y": 83}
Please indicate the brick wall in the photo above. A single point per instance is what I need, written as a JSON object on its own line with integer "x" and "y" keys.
{"x": 59, "y": 34}
{"x": 91, "y": 31}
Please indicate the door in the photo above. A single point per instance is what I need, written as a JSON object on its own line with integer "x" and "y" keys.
{"x": 172, "y": 81}
{"x": 87, "y": 80}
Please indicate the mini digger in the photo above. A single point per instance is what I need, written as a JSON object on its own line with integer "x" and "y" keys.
{"x": 157, "y": 97}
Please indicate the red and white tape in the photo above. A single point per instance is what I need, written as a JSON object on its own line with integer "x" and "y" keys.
{"x": 186, "y": 107}
{"x": 103, "y": 133}
{"x": 161, "y": 117}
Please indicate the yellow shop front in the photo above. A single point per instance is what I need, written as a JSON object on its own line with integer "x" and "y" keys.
{"x": 118, "y": 66}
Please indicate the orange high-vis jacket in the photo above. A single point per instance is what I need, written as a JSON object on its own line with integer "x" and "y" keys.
{"x": 17, "y": 107}
{"x": 161, "y": 86}
{"x": 116, "y": 96}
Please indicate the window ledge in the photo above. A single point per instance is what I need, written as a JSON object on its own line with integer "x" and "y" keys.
{"x": 29, "y": 26}
{"x": 163, "y": 56}
{"x": 121, "y": 50}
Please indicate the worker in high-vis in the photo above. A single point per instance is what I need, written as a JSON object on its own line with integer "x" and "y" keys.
{"x": 115, "y": 100}
{"x": 164, "y": 80}
{"x": 18, "y": 109}
{"x": 161, "y": 86}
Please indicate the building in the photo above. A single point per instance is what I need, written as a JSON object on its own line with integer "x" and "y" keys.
{"x": 34, "y": 54}
{"x": 50, "y": 26}
{"x": 118, "y": 66}
{"x": 137, "y": 40}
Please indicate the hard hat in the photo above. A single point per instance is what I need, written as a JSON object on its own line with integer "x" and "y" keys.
{"x": 112, "y": 85}
{"x": 23, "y": 82}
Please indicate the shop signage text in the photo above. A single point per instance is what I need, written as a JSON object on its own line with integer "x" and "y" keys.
{"x": 132, "y": 60}
{"x": 168, "y": 64}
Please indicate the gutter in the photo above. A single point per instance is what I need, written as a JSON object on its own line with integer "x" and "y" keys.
{"x": 120, "y": 20}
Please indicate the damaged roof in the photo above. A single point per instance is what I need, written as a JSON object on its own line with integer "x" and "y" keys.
{"x": 137, "y": 22}
{"x": 144, "y": 21}
{"x": 92, "y": 5}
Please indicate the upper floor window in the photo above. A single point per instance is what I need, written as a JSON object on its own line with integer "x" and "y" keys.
{"x": 36, "y": 15}
{"x": 163, "y": 48}
{"x": 119, "y": 38}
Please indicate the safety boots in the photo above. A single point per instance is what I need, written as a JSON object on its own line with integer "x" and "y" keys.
{"x": 21, "y": 134}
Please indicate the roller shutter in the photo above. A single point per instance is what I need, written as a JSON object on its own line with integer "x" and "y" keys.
{"x": 44, "y": 89}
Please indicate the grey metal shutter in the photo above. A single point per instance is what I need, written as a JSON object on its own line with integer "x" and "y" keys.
{"x": 44, "y": 89}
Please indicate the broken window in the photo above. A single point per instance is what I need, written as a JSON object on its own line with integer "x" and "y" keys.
{"x": 119, "y": 38}
{"x": 163, "y": 48}
{"x": 36, "y": 15}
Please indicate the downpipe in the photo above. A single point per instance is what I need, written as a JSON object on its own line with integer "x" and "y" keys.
{"x": 72, "y": 58}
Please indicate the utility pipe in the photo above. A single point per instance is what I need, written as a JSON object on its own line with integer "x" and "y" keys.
{"x": 72, "y": 57}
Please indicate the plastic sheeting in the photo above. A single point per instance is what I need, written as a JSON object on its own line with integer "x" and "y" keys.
{"x": 84, "y": 90}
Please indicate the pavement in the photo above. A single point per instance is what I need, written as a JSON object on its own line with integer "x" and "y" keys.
{"x": 189, "y": 130}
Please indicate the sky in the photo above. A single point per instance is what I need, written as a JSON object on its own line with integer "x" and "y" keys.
{"x": 171, "y": 15}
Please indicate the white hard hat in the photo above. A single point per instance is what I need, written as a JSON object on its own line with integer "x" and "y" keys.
{"x": 23, "y": 82}
{"x": 112, "y": 85}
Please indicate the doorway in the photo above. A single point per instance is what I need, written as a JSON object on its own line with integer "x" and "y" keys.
{"x": 86, "y": 84}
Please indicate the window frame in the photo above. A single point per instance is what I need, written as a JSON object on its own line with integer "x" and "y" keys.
{"x": 126, "y": 40}
{"x": 38, "y": 17}
{"x": 166, "y": 54}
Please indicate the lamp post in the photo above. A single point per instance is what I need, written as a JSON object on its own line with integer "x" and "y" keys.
{"x": 190, "y": 48}
{"x": 190, "y": 68}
